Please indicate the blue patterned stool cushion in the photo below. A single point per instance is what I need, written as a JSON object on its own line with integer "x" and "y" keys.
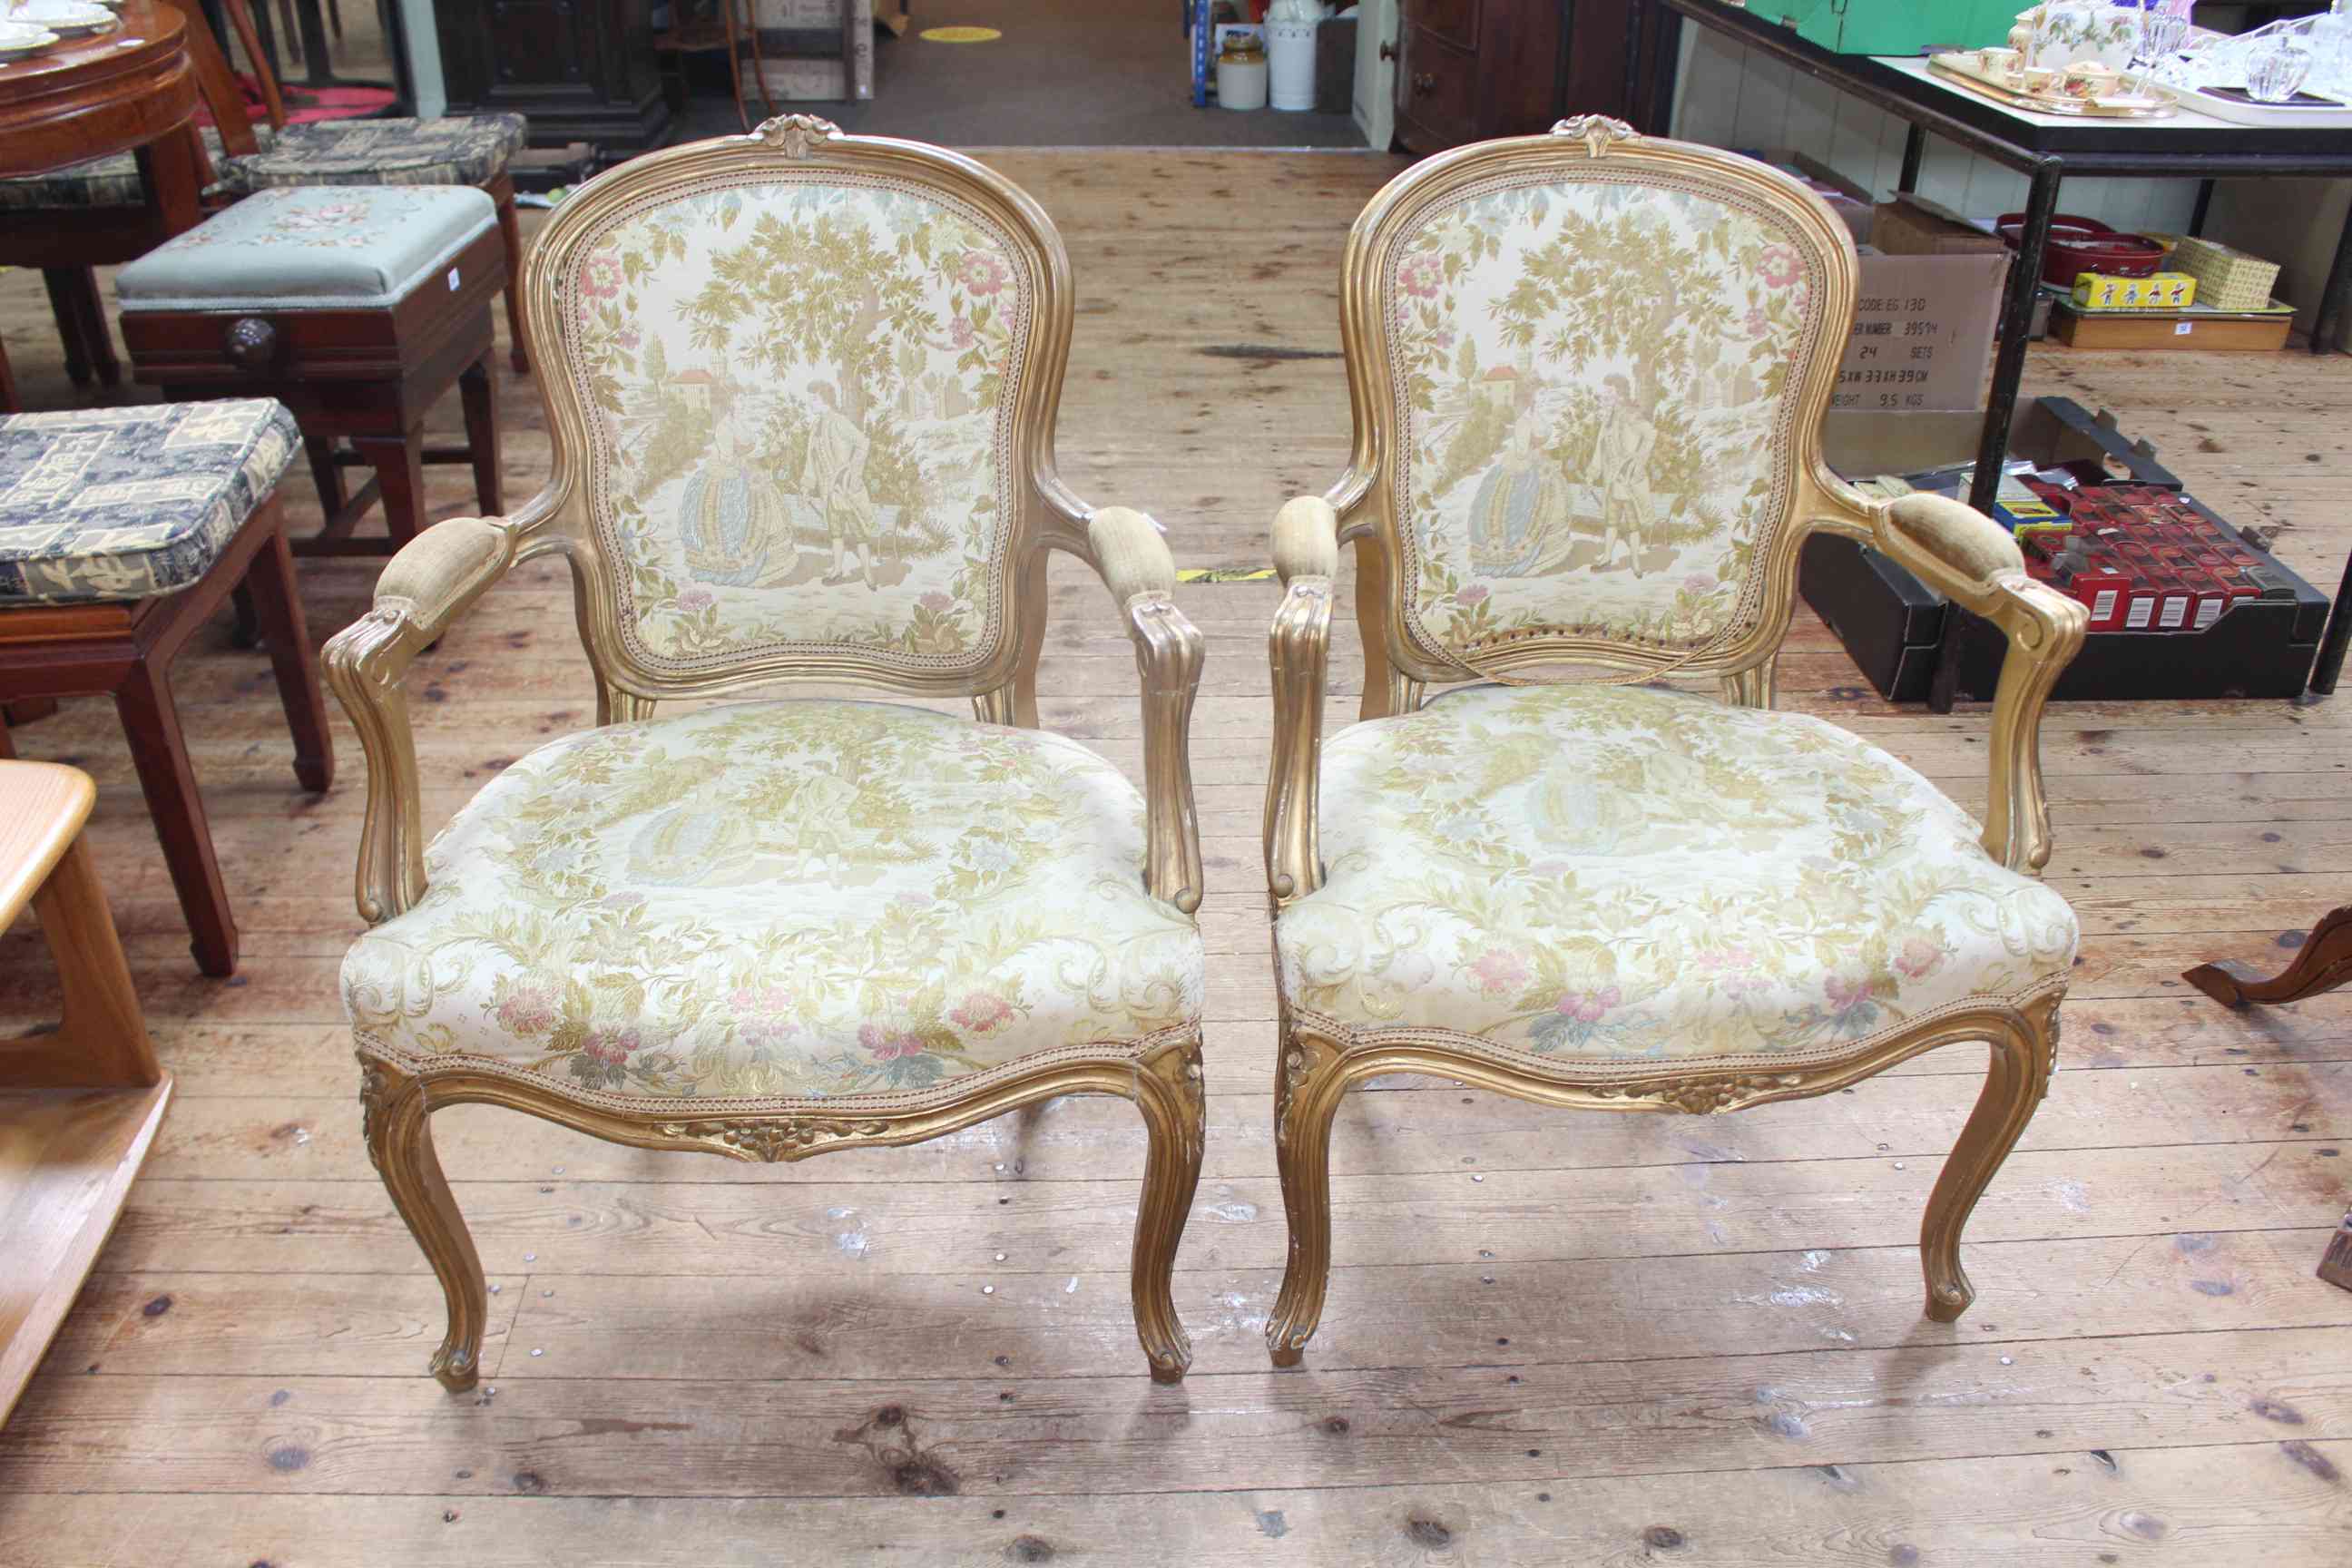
{"x": 465, "y": 151}
{"x": 109, "y": 182}
{"x": 316, "y": 247}
{"x": 126, "y": 503}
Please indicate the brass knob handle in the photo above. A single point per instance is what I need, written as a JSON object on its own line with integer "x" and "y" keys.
{"x": 1388, "y": 51}
{"x": 252, "y": 342}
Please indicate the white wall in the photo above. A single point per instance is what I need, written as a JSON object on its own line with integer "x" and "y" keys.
{"x": 1729, "y": 97}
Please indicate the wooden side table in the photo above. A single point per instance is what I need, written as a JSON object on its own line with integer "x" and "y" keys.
{"x": 80, "y": 1105}
{"x": 122, "y": 532}
{"x": 132, "y": 88}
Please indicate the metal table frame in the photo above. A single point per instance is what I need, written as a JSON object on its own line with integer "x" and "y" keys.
{"x": 2045, "y": 154}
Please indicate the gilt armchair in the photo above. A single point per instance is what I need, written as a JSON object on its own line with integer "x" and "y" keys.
{"x": 1589, "y": 372}
{"x": 800, "y": 387}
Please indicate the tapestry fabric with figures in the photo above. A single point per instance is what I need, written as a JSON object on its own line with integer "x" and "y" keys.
{"x": 1612, "y": 873}
{"x": 783, "y": 898}
{"x": 1594, "y": 379}
{"x": 801, "y": 393}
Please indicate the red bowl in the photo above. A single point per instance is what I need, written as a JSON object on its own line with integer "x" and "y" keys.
{"x": 2079, "y": 244}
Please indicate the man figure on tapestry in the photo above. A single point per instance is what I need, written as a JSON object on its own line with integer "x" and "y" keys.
{"x": 833, "y": 478}
{"x": 1620, "y": 462}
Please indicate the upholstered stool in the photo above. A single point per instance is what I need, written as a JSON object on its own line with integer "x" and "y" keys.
{"x": 357, "y": 307}
{"x": 121, "y": 530}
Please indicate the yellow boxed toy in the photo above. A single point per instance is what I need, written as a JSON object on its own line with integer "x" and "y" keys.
{"x": 2157, "y": 292}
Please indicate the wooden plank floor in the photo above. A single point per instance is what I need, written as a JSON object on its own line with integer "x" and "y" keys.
{"x": 1551, "y": 1339}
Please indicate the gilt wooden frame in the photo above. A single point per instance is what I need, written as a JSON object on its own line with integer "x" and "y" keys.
{"x": 435, "y": 579}
{"x": 1961, "y": 553}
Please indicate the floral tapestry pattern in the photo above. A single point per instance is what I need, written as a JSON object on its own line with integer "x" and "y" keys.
{"x": 800, "y": 392}
{"x": 791, "y": 897}
{"x": 1592, "y": 379}
{"x": 1612, "y": 873}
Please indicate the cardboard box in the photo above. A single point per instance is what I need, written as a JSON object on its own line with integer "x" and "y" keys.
{"x": 1849, "y": 201}
{"x": 1911, "y": 225}
{"x": 2053, "y": 431}
{"x": 1891, "y": 624}
{"x": 1923, "y": 333}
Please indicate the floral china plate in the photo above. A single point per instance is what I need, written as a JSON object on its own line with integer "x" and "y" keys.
{"x": 63, "y": 17}
{"x": 23, "y": 38}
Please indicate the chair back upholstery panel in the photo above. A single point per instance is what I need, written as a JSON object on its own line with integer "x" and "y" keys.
{"x": 1599, "y": 367}
{"x": 807, "y": 380}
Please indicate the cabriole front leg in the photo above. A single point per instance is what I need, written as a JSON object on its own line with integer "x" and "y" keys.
{"x": 1175, "y": 1115}
{"x": 399, "y": 1134}
{"x": 1307, "y": 1088}
{"x": 2019, "y": 1077}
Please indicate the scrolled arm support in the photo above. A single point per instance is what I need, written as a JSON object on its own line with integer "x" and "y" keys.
{"x": 1306, "y": 557}
{"x": 1972, "y": 561}
{"x": 1133, "y": 560}
{"x": 433, "y": 581}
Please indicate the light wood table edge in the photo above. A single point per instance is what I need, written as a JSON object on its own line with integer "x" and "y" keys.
{"x": 78, "y": 1105}
{"x": 42, "y": 808}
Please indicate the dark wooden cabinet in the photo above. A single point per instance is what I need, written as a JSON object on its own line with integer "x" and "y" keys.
{"x": 1470, "y": 69}
{"x": 582, "y": 69}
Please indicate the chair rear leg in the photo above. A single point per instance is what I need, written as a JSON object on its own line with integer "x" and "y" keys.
{"x": 2017, "y": 1079}
{"x": 400, "y": 1143}
{"x": 1307, "y": 1088}
{"x": 1175, "y": 1114}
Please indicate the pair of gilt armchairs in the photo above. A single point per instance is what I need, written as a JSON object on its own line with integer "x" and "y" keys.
{"x": 801, "y": 389}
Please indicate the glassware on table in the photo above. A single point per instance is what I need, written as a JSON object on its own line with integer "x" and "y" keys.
{"x": 2276, "y": 71}
{"x": 2331, "y": 41}
{"x": 2161, "y": 34}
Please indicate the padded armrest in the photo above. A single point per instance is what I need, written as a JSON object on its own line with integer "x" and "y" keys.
{"x": 1960, "y": 536}
{"x": 444, "y": 569}
{"x": 1131, "y": 553}
{"x": 1132, "y": 556}
{"x": 1298, "y": 645}
{"x": 1972, "y": 561}
{"x": 1306, "y": 539}
{"x": 433, "y": 581}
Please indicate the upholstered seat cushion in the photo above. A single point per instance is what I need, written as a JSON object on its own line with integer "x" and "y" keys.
{"x": 109, "y": 182}
{"x": 465, "y": 149}
{"x": 782, "y": 899}
{"x": 124, "y": 503}
{"x": 323, "y": 247}
{"x": 1605, "y": 873}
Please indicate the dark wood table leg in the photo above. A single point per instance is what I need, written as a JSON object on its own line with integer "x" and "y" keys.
{"x": 477, "y": 390}
{"x": 62, "y": 307}
{"x": 2323, "y": 962}
{"x": 172, "y": 167}
{"x": 97, "y": 340}
{"x": 78, "y": 288}
{"x": 2335, "y": 1263}
{"x": 510, "y": 228}
{"x": 9, "y": 402}
{"x": 327, "y": 474}
{"x": 160, "y": 753}
{"x": 277, "y": 598}
{"x": 399, "y": 465}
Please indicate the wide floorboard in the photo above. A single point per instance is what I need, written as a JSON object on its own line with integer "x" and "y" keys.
{"x": 1551, "y": 1339}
